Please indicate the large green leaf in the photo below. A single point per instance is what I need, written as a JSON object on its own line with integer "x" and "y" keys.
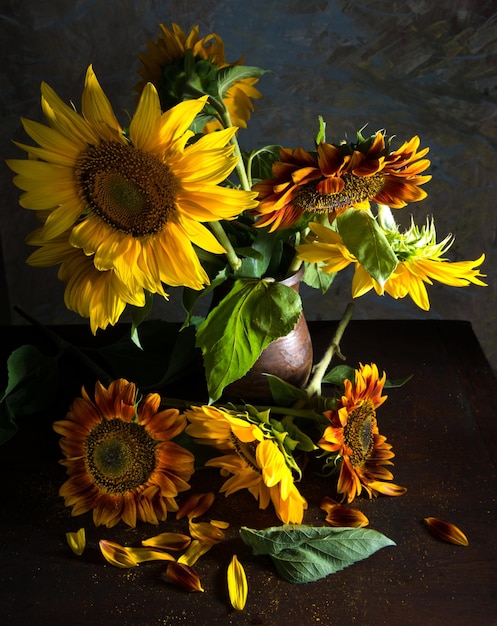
{"x": 31, "y": 387}
{"x": 367, "y": 242}
{"x": 304, "y": 554}
{"x": 316, "y": 278}
{"x": 247, "y": 320}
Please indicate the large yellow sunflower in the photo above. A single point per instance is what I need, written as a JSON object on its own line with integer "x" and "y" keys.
{"x": 163, "y": 65}
{"x": 339, "y": 177}
{"x": 133, "y": 201}
{"x": 353, "y": 434}
{"x": 420, "y": 262}
{"x": 252, "y": 457}
{"x": 120, "y": 458}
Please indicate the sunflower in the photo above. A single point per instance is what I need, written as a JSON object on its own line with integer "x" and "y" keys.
{"x": 353, "y": 435}
{"x": 164, "y": 66}
{"x": 120, "y": 458}
{"x": 133, "y": 201}
{"x": 338, "y": 177}
{"x": 252, "y": 457}
{"x": 420, "y": 262}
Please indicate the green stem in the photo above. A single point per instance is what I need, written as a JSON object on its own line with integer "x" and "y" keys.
{"x": 233, "y": 259}
{"x": 240, "y": 166}
{"x": 314, "y": 387}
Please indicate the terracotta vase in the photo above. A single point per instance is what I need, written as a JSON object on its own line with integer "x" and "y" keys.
{"x": 289, "y": 358}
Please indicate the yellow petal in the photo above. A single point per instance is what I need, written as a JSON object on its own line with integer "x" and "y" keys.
{"x": 237, "y": 584}
{"x": 194, "y": 551}
{"x": 206, "y": 532}
{"x": 116, "y": 554}
{"x": 148, "y": 554}
{"x": 183, "y": 576}
{"x": 168, "y": 541}
{"x": 446, "y": 531}
{"x": 77, "y": 541}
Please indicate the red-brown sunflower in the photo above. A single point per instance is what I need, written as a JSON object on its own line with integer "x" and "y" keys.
{"x": 353, "y": 435}
{"x": 120, "y": 458}
{"x": 338, "y": 177}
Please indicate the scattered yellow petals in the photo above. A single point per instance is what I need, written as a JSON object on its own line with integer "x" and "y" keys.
{"x": 341, "y": 515}
{"x": 183, "y": 576}
{"x": 237, "y": 584}
{"x": 77, "y": 541}
{"x": 206, "y": 532}
{"x": 446, "y": 531}
{"x": 220, "y": 524}
{"x": 116, "y": 554}
{"x": 194, "y": 551}
{"x": 168, "y": 541}
{"x": 196, "y": 505}
{"x": 387, "y": 489}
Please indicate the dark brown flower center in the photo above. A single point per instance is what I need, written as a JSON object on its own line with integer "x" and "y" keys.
{"x": 357, "y": 189}
{"x": 246, "y": 451}
{"x": 132, "y": 191}
{"x": 358, "y": 432}
{"x": 120, "y": 456}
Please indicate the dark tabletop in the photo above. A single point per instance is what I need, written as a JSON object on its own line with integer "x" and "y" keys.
{"x": 443, "y": 428}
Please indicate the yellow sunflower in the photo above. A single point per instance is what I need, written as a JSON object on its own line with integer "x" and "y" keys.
{"x": 163, "y": 66}
{"x": 339, "y": 177}
{"x": 120, "y": 458}
{"x": 420, "y": 262}
{"x": 252, "y": 457}
{"x": 133, "y": 201}
{"x": 353, "y": 434}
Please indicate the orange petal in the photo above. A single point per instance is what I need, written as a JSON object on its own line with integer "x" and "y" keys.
{"x": 183, "y": 576}
{"x": 446, "y": 531}
{"x": 341, "y": 515}
{"x": 196, "y": 505}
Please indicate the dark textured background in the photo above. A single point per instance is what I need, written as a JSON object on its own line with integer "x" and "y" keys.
{"x": 410, "y": 66}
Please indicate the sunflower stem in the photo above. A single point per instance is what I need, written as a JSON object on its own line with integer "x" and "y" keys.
{"x": 314, "y": 387}
{"x": 240, "y": 166}
{"x": 233, "y": 259}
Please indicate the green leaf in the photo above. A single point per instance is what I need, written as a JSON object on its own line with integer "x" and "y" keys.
{"x": 260, "y": 162}
{"x": 228, "y": 76}
{"x": 316, "y": 278}
{"x": 284, "y": 394}
{"x": 338, "y": 374}
{"x": 367, "y": 242}
{"x": 31, "y": 387}
{"x": 398, "y": 382}
{"x": 247, "y": 320}
{"x": 255, "y": 265}
{"x": 139, "y": 314}
{"x": 304, "y": 554}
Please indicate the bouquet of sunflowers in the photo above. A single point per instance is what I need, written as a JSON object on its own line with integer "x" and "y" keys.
{"x": 171, "y": 199}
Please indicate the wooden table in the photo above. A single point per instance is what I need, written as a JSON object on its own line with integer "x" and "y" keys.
{"x": 443, "y": 427}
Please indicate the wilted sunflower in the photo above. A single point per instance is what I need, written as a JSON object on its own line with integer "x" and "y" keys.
{"x": 420, "y": 262}
{"x": 133, "y": 201}
{"x": 164, "y": 66}
{"x": 120, "y": 458}
{"x": 252, "y": 457}
{"x": 353, "y": 434}
{"x": 339, "y": 177}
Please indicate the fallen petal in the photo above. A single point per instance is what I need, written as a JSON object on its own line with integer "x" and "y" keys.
{"x": 77, "y": 541}
{"x": 341, "y": 515}
{"x": 206, "y": 532}
{"x": 387, "y": 489}
{"x": 148, "y": 554}
{"x": 446, "y": 531}
{"x": 168, "y": 541}
{"x": 194, "y": 551}
{"x": 196, "y": 505}
{"x": 116, "y": 554}
{"x": 183, "y": 576}
{"x": 237, "y": 584}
